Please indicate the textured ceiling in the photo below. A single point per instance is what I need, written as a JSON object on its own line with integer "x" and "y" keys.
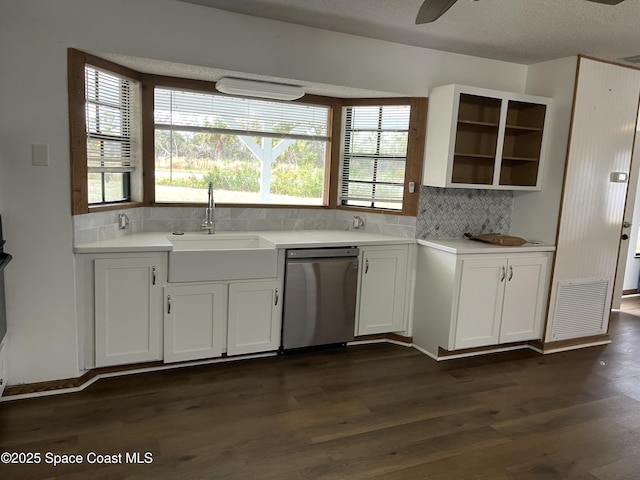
{"x": 520, "y": 31}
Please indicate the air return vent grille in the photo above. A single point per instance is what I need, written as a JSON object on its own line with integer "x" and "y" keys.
{"x": 581, "y": 309}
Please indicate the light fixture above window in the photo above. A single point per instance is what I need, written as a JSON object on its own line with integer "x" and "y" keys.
{"x": 254, "y": 88}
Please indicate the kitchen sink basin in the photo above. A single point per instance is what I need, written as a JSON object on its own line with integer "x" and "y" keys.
{"x": 213, "y": 242}
{"x": 201, "y": 258}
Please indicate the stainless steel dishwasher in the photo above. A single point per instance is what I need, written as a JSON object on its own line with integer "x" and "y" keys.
{"x": 319, "y": 297}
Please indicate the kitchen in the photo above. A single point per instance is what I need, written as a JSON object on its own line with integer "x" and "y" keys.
{"x": 52, "y": 328}
{"x": 35, "y": 200}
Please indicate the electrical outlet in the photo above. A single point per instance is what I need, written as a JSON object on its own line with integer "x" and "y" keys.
{"x": 123, "y": 221}
{"x": 358, "y": 222}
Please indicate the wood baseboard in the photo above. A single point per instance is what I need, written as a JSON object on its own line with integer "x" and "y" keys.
{"x": 384, "y": 336}
{"x": 39, "y": 387}
{"x": 574, "y": 343}
{"x": 632, "y": 291}
{"x": 443, "y": 353}
{"x": 537, "y": 345}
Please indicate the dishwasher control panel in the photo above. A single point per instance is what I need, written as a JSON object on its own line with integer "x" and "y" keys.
{"x": 323, "y": 252}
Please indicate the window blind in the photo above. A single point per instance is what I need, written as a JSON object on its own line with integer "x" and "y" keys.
{"x": 112, "y": 121}
{"x": 207, "y": 112}
{"x": 374, "y": 156}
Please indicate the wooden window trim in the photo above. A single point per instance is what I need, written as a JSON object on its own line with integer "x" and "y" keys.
{"x": 150, "y": 82}
{"x": 76, "y": 61}
{"x": 414, "y": 159}
{"x": 77, "y": 132}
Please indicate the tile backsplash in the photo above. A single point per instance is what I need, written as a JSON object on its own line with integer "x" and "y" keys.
{"x": 93, "y": 227}
{"x": 450, "y": 212}
{"x": 443, "y": 213}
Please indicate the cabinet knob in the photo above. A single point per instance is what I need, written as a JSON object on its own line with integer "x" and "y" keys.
{"x": 625, "y": 236}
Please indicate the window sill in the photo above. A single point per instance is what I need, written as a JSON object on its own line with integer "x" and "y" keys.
{"x": 239, "y": 205}
{"x": 125, "y": 205}
{"x": 114, "y": 206}
{"x": 380, "y": 211}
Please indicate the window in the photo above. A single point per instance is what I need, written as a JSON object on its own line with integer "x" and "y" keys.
{"x": 254, "y": 151}
{"x": 139, "y": 139}
{"x": 374, "y": 156}
{"x": 112, "y": 131}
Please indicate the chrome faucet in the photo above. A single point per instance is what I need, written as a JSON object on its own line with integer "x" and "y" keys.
{"x": 209, "y": 223}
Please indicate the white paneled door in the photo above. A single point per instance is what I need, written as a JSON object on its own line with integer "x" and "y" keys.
{"x": 601, "y": 144}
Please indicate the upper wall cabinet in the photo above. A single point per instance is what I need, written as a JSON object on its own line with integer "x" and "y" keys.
{"x": 478, "y": 138}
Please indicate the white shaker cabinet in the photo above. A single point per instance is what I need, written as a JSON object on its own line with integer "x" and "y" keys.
{"x": 477, "y": 300}
{"x": 202, "y": 320}
{"x": 255, "y": 317}
{"x": 128, "y": 318}
{"x": 195, "y": 318}
{"x": 383, "y": 279}
{"x": 524, "y": 298}
{"x": 499, "y": 300}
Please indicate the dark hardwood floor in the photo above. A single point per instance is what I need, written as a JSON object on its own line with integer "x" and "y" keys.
{"x": 369, "y": 412}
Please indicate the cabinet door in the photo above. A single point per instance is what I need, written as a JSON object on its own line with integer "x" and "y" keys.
{"x": 382, "y": 291}
{"x": 523, "y": 299}
{"x": 128, "y": 299}
{"x": 479, "y": 302}
{"x": 255, "y": 317}
{"x": 194, "y": 321}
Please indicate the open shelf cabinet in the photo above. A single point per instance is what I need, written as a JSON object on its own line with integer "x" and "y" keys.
{"x": 478, "y": 138}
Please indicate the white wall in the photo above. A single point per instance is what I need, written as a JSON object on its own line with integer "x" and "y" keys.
{"x": 40, "y": 280}
{"x": 535, "y": 214}
{"x": 34, "y": 37}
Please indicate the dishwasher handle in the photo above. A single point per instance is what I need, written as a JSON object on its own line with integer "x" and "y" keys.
{"x": 291, "y": 262}
{"x": 338, "y": 252}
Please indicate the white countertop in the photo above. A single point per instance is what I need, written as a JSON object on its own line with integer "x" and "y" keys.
{"x": 136, "y": 242}
{"x": 159, "y": 241}
{"x": 466, "y": 246}
{"x": 330, "y": 238}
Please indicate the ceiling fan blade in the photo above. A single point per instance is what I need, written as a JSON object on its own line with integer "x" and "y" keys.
{"x": 432, "y": 10}
{"x": 607, "y": 2}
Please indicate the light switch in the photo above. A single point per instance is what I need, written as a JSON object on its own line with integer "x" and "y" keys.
{"x": 619, "y": 177}
{"x": 40, "y": 155}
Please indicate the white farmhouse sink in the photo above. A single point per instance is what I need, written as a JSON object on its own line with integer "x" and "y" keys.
{"x": 202, "y": 258}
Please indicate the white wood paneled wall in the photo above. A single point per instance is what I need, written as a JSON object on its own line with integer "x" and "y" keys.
{"x": 602, "y": 135}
